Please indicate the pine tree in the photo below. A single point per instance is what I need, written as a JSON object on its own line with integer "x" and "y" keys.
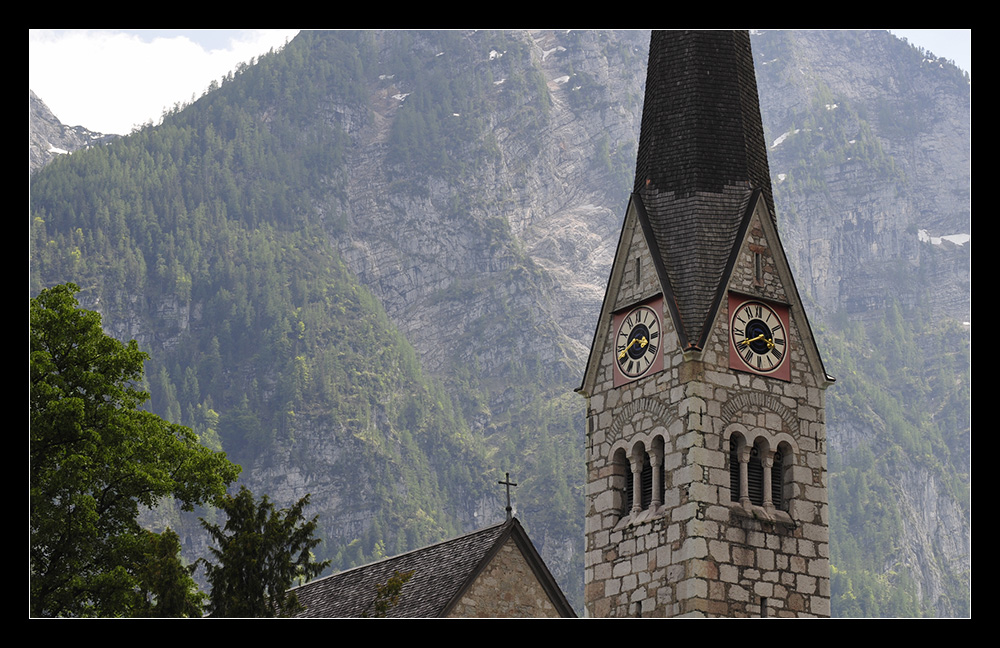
{"x": 261, "y": 553}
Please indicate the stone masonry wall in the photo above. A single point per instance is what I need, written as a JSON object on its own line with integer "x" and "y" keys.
{"x": 506, "y": 588}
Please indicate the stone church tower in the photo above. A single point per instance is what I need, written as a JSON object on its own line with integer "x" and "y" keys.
{"x": 706, "y": 443}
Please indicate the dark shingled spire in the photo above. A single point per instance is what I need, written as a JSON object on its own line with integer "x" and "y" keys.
{"x": 701, "y": 127}
{"x": 701, "y": 161}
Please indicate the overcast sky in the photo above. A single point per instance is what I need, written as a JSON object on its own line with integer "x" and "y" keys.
{"x": 112, "y": 80}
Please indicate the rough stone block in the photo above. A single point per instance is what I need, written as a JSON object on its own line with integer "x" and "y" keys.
{"x": 816, "y": 533}
{"x": 743, "y": 556}
{"x": 719, "y": 550}
{"x": 738, "y": 593}
{"x": 819, "y": 567}
{"x": 692, "y": 548}
{"x": 691, "y": 588}
{"x": 706, "y": 457}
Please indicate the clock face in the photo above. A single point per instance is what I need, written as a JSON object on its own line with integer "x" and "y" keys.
{"x": 758, "y": 337}
{"x": 637, "y": 342}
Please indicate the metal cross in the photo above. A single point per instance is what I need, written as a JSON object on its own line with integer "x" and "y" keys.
{"x": 508, "y": 483}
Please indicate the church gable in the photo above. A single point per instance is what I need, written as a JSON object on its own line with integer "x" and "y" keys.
{"x": 495, "y": 571}
{"x": 755, "y": 269}
{"x": 759, "y": 272}
{"x": 506, "y": 587}
{"x": 636, "y": 282}
{"x": 638, "y": 276}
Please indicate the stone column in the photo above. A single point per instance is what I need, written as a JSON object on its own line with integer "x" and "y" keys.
{"x": 636, "y": 461}
{"x": 744, "y": 479}
{"x": 767, "y": 462}
{"x": 656, "y": 459}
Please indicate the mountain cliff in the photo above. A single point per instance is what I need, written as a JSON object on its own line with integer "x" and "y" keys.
{"x": 871, "y": 162}
{"x": 48, "y": 137}
{"x": 369, "y": 266}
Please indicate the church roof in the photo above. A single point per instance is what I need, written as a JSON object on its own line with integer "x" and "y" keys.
{"x": 442, "y": 572}
{"x": 701, "y": 157}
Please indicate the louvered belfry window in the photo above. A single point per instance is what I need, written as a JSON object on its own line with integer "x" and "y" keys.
{"x": 624, "y": 481}
{"x": 734, "y": 470}
{"x": 777, "y": 480}
{"x": 628, "y": 494}
{"x": 755, "y": 477}
{"x": 647, "y": 482}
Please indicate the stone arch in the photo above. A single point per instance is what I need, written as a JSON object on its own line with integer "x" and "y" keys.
{"x": 634, "y": 412}
{"x": 757, "y": 401}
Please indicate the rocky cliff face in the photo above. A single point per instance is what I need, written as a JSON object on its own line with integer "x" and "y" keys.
{"x": 889, "y": 160}
{"x": 443, "y": 257}
{"x": 48, "y": 137}
{"x": 499, "y": 270}
{"x": 871, "y": 163}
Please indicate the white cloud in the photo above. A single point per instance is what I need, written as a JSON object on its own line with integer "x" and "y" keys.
{"x": 109, "y": 81}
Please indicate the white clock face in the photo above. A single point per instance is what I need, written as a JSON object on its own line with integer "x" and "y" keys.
{"x": 758, "y": 336}
{"x": 637, "y": 341}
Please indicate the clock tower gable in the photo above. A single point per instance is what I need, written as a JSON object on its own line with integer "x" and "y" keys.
{"x": 637, "y": 281}
{"x": 758, "y": 271}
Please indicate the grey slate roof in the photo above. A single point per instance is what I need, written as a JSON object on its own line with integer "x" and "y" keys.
{"x": 701, "y": 156}
{"x": 441, "y": 573}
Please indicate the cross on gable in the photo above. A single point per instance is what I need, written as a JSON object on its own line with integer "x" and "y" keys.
{"x": 508, "y": 483}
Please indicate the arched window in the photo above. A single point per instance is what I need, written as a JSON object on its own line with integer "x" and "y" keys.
{"x": 779, "y": 474}
{"x": 647, "y": 481}
{"x": 621, "y": 482}
{"x": 734, "y": 468}
{"x": 634, "y": 490}
{"x": 644, "y": 476}
{"x": 755, "y": 475}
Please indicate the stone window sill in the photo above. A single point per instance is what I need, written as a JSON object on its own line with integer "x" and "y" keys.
{"x": 642, "y": 517}
{"x": 764, "y": 514}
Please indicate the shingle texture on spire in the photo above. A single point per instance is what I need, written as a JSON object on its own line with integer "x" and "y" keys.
{"x": 701, "y": 156}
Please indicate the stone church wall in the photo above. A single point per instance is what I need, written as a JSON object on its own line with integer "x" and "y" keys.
{"x": 507, "y": 587}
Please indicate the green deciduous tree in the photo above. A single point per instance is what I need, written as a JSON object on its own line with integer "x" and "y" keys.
{"x": 261, "y": 553}
{"x": 95, "y": 459}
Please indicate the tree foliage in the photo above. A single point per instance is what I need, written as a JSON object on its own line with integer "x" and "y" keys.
{"x": 165, "y": 582}
{"x": 387, "y": 595}
{"x": 95, "y": 459}
{"x": 261, "y": 553}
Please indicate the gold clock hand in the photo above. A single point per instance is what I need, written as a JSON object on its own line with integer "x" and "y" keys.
{"x": 747, "y": 342}
{"x": 642, "y": 344}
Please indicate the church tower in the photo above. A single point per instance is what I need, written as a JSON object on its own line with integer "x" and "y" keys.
{"x": 706, "y": 441}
